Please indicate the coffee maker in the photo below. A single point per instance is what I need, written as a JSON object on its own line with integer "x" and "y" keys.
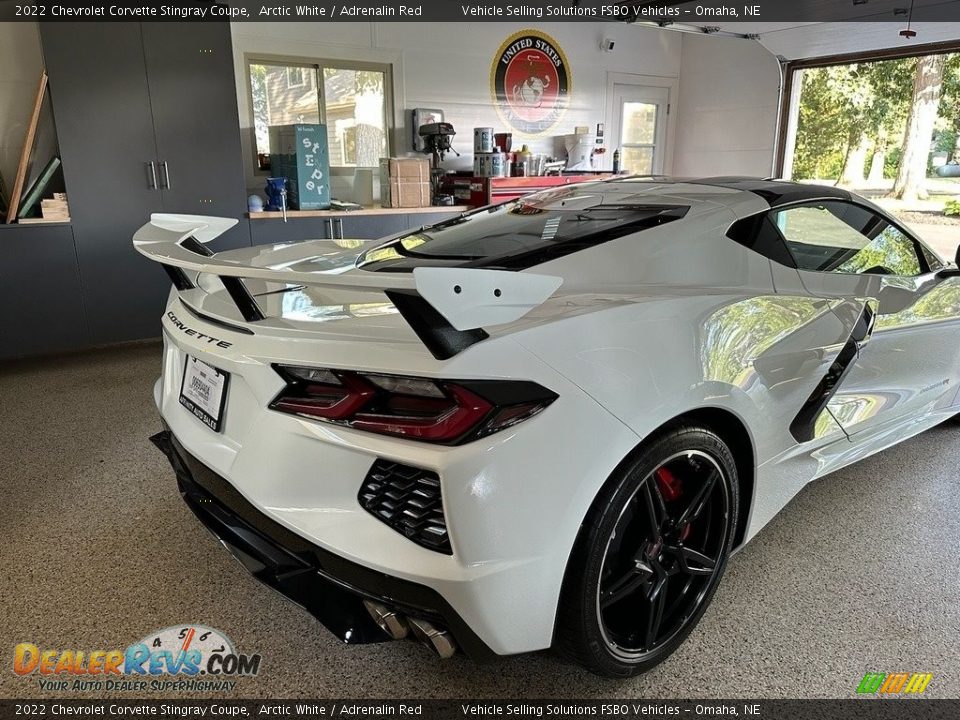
{"x": 580, "y": 151}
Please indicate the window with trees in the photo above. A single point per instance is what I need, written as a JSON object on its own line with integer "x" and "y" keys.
{"x": 845, "y": 238}
{"x": 886, "y": 127}
{"x": 351, "y": 99}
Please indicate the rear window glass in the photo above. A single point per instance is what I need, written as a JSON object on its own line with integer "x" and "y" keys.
{"x": 517, "y": 235}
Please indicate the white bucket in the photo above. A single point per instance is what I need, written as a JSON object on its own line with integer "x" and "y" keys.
{"x": 481, "y": 164}
{"x": 489, "y": 164}
{"x": 498, "y": 164}
{"x": 483, "y": 140}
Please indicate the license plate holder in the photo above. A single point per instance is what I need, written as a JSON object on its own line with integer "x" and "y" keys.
{"x": 203, "y": 391}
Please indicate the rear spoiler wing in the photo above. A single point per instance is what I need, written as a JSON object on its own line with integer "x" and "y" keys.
{"x": 446, "y": 307}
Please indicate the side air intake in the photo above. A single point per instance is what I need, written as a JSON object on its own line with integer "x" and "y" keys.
{"x": 408, "y": 500}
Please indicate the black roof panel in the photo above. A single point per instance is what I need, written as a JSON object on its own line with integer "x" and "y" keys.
{"x": 775, "y": 192}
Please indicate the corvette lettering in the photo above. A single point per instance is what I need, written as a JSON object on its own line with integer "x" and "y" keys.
{"x": 196, "y": 333}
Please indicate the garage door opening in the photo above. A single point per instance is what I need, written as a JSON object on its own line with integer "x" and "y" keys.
{"x": 887, "y": 129}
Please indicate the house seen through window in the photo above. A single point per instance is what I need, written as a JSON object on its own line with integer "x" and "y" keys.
{"x": 352, "y": 100}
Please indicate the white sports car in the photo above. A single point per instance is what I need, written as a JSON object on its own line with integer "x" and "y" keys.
{"x": 545, "y": 423}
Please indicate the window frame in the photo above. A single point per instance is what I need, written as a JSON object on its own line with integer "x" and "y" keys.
{"x": 919, "y": 247}
{"x": 317, "y": 65}
{"x": 655, "y": 148}
{"x": 786, "y": 130}
{"x": 303, "y": 78}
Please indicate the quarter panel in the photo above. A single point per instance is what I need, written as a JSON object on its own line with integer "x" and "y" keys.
{"x": 650, "y": 358}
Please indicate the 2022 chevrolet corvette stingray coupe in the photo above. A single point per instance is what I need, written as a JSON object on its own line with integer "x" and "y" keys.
{"x": 545, "y": 423}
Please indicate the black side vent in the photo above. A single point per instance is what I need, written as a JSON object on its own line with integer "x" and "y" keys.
{"x": 408, "y": 500}
{"x": 803, "y": 427}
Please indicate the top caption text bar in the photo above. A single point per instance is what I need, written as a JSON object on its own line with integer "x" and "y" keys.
{"x": 698, "y": 14}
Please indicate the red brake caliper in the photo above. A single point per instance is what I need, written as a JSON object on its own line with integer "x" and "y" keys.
{"x": 671, "y": 487}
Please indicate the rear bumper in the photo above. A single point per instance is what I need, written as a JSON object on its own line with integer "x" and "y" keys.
{"x": 328, "y": 586}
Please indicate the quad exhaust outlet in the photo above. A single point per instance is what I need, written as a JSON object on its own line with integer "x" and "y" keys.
{"x": 390, "y": 622}
{"x": 398, "y": 627}
{"x": 430, "y": 635}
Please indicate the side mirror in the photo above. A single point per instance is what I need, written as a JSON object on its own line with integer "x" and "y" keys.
{"x": 948, "y": 272}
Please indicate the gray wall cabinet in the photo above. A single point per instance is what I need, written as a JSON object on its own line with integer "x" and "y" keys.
{"x": 418, "y": 220}
{"x": 126, "y": 95}
{"x": 363, "y": 227}
{"x": 371, "y": 226}
{"x": 266, "y": 232}
{"x": 194, "y": 101}
{"x": 41, "y": 309}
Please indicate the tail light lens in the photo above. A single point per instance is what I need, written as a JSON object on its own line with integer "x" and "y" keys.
{"x": 437, "y": 411}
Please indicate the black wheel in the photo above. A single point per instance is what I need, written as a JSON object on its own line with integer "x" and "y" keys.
{"x": 649, "y": 555}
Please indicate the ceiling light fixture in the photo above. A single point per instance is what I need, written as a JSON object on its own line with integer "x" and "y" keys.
{"x": 907, "y": 32}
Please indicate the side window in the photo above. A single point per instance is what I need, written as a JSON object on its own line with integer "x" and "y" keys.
{"x": 758, "y": 233}
{"x": 835, "y": 236}
{"x": 933, "y": 261}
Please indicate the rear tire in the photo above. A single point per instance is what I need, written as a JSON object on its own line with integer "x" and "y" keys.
{"x": 650, "y": 554}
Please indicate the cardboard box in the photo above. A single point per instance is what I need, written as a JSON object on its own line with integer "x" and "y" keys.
{"x": 405, "y": 182}
{"x": 406, "y": 194}
{"x": 406, "y": 168}
{"x": 300, "y": 154}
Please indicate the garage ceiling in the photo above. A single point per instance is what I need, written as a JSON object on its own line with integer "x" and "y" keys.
{"x": 866, "y": 25}
{"x": 809, "y": 41}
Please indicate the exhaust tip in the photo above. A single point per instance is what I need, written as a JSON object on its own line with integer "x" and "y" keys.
{"x": 429, "y": 634}
{"x": 390, "y": 622}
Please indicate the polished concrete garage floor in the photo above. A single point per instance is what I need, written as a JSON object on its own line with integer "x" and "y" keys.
{"x": 860, "y": 572}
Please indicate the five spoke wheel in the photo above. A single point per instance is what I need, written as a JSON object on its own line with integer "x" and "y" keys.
{"x": 663, "y": 553}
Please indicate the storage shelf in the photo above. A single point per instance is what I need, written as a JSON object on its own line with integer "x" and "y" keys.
{"x": 377, "y": 210}
{"x": 11, "y": 226}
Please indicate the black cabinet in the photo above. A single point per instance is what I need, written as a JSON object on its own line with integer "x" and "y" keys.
{"x": 128, "y": 97}
{"x": 101, "y": 103}
{"x": 425, "y": 219}
{"x": 194, "y": 102}
{"x": 350, "y": 226}
{"x": 41, "y": 308}
{"x": 269, "y": 231}
{"x": 371, "y": 227}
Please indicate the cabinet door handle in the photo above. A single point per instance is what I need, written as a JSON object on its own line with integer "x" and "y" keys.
{"x": 166, "y": 175}
{"x": 339, "y": 228}
{"x": 151, "y": 175}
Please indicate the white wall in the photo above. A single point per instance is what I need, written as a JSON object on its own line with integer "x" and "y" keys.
{"x": 20, "y": 66}
{"x": 727, "y": 111}
{"x": 443, "y": 66}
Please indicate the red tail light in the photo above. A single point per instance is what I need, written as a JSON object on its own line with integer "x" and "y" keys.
{"x": 437, "y": 411}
